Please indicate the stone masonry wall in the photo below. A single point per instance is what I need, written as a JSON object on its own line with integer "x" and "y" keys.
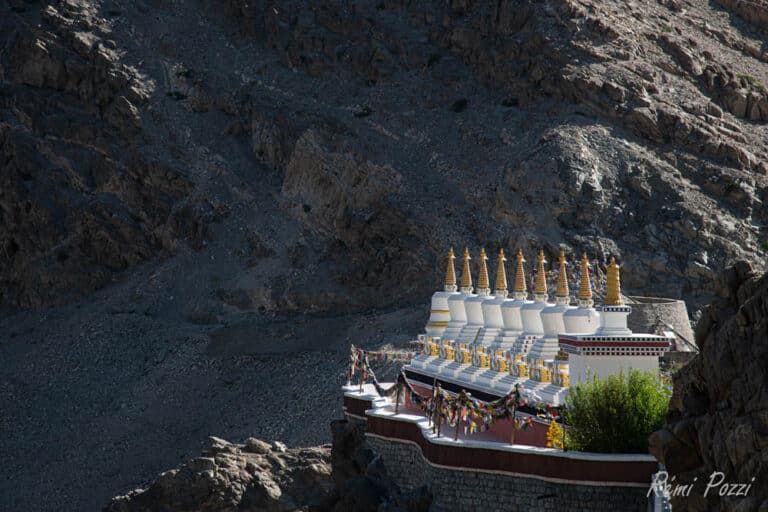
{"x": 457, "y": 490}
{"x": 645, "y": 311}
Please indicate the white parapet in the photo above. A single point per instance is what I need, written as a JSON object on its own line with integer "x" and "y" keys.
{"x": 583, "y": 368}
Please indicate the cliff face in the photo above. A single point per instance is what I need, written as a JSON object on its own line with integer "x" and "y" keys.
{"x": 718, "y": 420}
{"x": 80, "y": 198}
{"x": 384, "y": 132}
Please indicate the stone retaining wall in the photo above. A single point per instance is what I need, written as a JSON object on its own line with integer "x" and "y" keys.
{"x": 645, "y": 311}
{"x": 470, "y": 490}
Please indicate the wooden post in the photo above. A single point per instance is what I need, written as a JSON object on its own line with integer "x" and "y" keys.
{"x": 434, "y": 404}
{"x": 458, "y": 419}
{"x": 439, "y": 409}
{"x": 397, "y": 395}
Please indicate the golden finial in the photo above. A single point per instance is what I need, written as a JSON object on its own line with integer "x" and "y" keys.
{"x": 501, "y": 275}
{"x": 450, "y": 273}
{"x": 541, "y": 276}
{"x": 482, "y": 281}
{"x": 613, "y": 285}
{"x": 562, "y": 278}
{"x": 466, "y": 273}
{"x": 585, "y": 289}
{"x": 520, "y": 285}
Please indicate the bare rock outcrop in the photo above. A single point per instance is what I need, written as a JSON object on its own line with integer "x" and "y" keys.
{"x": 79, "y": 201}
{"x": 252, "y": 476}
{"x": 717, "y": 420}
{"x": 753, "y": 11}
{"x": 268, "y": 477}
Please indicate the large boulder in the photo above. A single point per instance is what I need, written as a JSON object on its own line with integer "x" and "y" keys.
{"x": 256, "y": 476}
{"x": 268, "y": 477}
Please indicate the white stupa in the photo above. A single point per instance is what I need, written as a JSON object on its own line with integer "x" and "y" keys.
{"x": 546, "y": 347}
{"x": 439, "y": 314}
{"x": 456, "y": 303}
{"x": 584, "y": 318}
{"x": 533, "y": 328}
{"x": 491, "y": 333}
{"x": 510, "y": 309}
{"x": 613, "y": 347}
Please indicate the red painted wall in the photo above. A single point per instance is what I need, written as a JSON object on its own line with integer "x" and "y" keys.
{"x": 531, "y": 464}
{"x": 496, "y": 460}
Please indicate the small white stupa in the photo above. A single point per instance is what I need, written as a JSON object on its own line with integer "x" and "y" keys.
{"x": 510, "y": 309}
{"x": 533, "y": 328}
{"x": 474, "y": 305}
{"x": 490, "y": 335}
{"x": 456, "y": 303}
{"x": 545, "y": 348}
{"x": 439, "y": 314}
{"x": 585, "y": 318}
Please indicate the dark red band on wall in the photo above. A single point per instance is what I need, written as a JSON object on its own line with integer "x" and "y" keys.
{"x": 543, "y": 465}
{"x": 609, "y": 344}
{"x": 357, "y": 406}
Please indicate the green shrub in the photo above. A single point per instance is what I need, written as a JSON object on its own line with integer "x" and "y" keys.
{"x": 616, "y": 414}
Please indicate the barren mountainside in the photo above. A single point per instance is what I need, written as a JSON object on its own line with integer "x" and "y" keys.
{"x": 202, "y": 203}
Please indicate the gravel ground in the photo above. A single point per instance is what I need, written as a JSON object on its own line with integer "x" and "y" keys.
{"x": 99, "y": 398}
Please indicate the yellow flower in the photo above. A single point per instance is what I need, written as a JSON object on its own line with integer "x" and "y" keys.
{"x": 555, "y": 436}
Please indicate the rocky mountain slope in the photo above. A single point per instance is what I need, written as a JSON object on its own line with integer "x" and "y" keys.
{"x": 718, "y": 420}
{"x": 202, "y": 203}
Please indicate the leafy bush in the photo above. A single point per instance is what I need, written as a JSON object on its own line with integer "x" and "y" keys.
{"x": 616, "y": 414}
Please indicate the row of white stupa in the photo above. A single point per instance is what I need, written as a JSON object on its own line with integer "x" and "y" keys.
{"x": 491, "y": 342}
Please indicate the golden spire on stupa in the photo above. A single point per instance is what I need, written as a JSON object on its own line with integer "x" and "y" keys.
{"x": 585, "y": 288}
{"x": 613, "y": 285}
{"x": 450, "y": 273}
{"x": 541, "y": 276}
{"x": 483, "y": 284}
{"x": 562, "y": 278}
{"x": 466, "y": 273}
{"x": 501, "y": 275}
{"x": 520, "y": 286}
